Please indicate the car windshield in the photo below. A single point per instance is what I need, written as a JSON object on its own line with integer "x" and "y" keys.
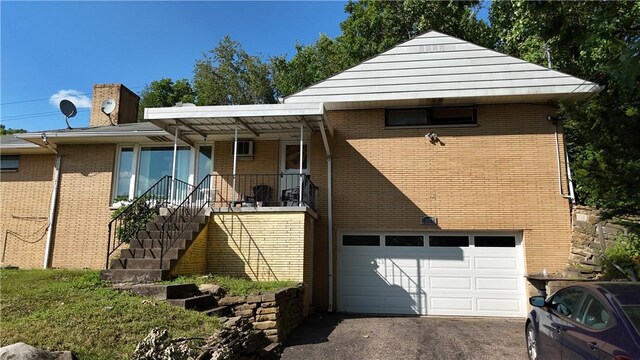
{"x": 633, "y": 313}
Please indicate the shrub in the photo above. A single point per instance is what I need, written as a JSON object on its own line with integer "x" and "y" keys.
{"x": 625, "y": 252}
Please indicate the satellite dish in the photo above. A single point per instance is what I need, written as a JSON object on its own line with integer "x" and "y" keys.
{"x": 108, "y": 106}
{"x": 69, "y": 110}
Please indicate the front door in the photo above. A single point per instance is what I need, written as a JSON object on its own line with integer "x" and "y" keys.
{"x": 290, "y": 169}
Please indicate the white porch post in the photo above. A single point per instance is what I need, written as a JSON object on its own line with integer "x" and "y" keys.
{"x": 235, "y": 160}
{"x": 173, "y": 167}
{"x": 301, "y": 158}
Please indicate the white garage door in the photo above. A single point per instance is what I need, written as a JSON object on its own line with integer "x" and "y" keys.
{"x": 432, "y": 274}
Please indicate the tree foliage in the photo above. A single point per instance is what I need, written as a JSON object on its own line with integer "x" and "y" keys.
{"x": 164, "y": 93}
{"x": 599, "y": 42}
{"x": 228, "y": 75}
{"x": 9, "y": 131}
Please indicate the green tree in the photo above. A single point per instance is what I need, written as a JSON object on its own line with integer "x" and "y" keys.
{"x": 9, "y": 131}
{"x": 228, "y": 75}
{"x": 597, "y": 41}
{"x": 165, "y": 92}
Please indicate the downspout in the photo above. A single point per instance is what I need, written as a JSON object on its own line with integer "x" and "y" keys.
{"x": 329, "y": 213}
{"x": 569, "y": 177}
{"x": 54, "y": 200}
{"x": 555, "y": 131}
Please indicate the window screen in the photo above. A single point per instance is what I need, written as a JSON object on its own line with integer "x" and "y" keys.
{"x": 404, "y": 240}
{"x": 361, "y": 240}
{"x": 495, "y": 241}
{"x": 448, "y": 241}
{"x": 406, "y": 117}
{"x": 430, "y": 116}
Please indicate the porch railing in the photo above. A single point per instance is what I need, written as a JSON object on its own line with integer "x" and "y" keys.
{"x": 262, "y": 190}
{"x": 127, "y": 222}
{"x": 185, "y": 214}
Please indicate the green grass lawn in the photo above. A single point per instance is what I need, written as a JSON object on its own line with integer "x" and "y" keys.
{"x": 73, "y": 310}
{"x": 234, "y": 286}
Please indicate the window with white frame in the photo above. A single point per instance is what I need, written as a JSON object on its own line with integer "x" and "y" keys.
{"x": 140, "y": 166}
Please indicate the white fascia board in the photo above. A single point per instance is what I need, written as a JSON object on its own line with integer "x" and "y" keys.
{"x": 567, "y": 91}
{"x": 230, "y": 111}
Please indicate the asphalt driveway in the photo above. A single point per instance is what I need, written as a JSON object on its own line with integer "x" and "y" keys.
{"x": 331, "y": 336}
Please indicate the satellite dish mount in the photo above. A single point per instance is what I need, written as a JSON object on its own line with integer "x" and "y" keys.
{"x": 107, "y": 108}
{"x": 68, "y": 110}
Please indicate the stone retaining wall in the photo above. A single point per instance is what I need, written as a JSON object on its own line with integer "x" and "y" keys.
{"x": 277, "y": 314}
{"x": 586, "y": 245}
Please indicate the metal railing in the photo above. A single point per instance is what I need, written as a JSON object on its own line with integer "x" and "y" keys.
{"x": 181, "y": 217}
{"x": 126, "y": 223}
{"x": 262, "y": 190}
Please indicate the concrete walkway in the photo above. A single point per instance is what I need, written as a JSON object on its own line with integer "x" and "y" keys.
{"x": 331, "y": 336}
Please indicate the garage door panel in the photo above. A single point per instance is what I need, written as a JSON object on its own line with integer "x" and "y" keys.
{"x": 498, "y": 304}
{"x": 495, "y": 283}
{"x": 450, "y": 303}
{"x": 464, "y": 263}
{"x": 449, "y": 283}
{"x": 495, "y": 263}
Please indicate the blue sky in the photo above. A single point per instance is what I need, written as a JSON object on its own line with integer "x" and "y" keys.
{"x": 48, "y": 47}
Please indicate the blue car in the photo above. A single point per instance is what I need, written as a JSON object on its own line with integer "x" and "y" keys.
{"x": 586, "y": 321}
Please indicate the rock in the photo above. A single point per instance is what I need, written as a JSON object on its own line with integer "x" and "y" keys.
{"x": 158, "y": 345}
{"x": 22, "y": 351}
{"x": 213, "y": 289}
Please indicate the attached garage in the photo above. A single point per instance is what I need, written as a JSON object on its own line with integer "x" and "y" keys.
{"x": 465, "y": 274}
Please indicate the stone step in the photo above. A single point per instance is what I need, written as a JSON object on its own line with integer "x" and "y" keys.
{"x": 199, "y": 302}
{"x": 180, "y": 220}
{"x": 152, "y": 253}
{"x": 141, "y": 263}
{"x": 134, "y": 275}
{"x": 161, "y": 291}
{"x": 196, "y": 226}
{"x": 154, "y": 243}
{"x": 218, "y": 311}
{"x": 156, "y": 234}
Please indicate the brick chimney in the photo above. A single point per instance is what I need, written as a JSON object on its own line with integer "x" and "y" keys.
{"x": 126, "y": 110}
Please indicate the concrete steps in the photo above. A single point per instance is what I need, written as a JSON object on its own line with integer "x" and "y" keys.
{"x": 186, "y": 296}
{"x": 141, "y": 261}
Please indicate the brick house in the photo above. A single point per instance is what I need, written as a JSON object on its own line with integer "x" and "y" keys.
{"x": 431, "y": 179}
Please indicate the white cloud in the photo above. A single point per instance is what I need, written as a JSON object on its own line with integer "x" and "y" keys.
{"x": 80, "y": 100}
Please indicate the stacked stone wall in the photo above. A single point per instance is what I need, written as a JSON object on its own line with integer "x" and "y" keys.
{"x": 276, "y": 314}
{"x": 586, "y": 242}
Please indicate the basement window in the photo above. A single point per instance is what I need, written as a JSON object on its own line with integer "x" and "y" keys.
{"x": 423, "y": 117}
{"x": 9, "y": 163}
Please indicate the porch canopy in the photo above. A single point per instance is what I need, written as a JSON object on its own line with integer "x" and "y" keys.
{"x": 267, "y": 121}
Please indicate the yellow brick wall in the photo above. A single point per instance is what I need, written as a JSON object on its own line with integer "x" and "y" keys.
{"x": 25, "y": 198}
{"x": 258, "y": 245}
{"x": 80, "y": 236}
{"x": 194, "y": 260}
{"x": 500, "y": 175}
